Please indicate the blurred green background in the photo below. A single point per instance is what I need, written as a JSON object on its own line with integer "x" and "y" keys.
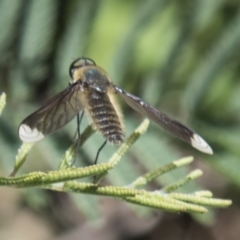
{"x": 182, "y": 57}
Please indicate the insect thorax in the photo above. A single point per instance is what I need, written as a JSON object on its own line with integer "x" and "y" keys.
{"x": 96, "y": 80}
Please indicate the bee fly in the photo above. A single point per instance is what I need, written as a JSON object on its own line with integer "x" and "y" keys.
{"x": 92, "y": 91}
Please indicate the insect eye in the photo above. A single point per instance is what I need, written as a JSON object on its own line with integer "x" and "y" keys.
{"x": 71, "y": 71}
{"x": 89, "y": 61}
{"x": 80, "y": 62}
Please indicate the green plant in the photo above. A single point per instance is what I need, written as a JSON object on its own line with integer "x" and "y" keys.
{"x": 62, "y": 180}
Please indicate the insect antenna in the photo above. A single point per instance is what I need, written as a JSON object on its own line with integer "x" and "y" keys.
{"x": 99, "y": 150}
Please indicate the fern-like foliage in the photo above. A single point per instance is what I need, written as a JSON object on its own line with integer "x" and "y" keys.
{"x": 180, "y": 56}
{"x": 62, "y": 179}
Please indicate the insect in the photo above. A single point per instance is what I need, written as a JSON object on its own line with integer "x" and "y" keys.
{"x": 92, "y": 91}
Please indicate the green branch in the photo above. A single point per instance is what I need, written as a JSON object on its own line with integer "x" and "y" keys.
{"x": 2, "y": 102}
{"x": 64, "y": 179}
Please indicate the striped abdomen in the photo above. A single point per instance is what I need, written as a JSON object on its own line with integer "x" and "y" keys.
{"x": 105, "y": 117}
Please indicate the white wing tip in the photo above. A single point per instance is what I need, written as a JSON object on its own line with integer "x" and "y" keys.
{"x": 200, "y": 144}
{"x": 29, "y": 135}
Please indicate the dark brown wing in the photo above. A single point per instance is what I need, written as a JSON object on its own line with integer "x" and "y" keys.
{"x": 172, "y": 126}
{"x": 56, "y": 113}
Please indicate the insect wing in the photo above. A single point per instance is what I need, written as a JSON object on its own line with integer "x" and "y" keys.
{"x": 166, "y": 122}
{"x": 56, "y": 113}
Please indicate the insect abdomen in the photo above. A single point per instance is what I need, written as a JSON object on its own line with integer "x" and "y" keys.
{"x": 105, "y": 117}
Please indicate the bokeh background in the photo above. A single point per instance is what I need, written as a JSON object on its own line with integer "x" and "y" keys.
{"x": 182, "y": 57}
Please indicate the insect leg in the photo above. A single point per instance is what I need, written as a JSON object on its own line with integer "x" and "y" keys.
{"x": 99, "y": 150}
{"x": 79, "y": 119}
